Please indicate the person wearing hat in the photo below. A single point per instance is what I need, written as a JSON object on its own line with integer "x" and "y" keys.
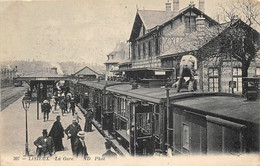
{"x": 62, "y": 106}
{"x": 46, "y": 108}
{"x": 72, "y": 105}
{"x": 77, "y": 117}
{"x": 57, "y": 133}
{"x": 80, "y": 146}
{"x": 72, "y": 131}
{"x": 45, "y": 145}
{"x": 109, "y": 153}
{"x": 85, "y": 101}
{"x": 52, "y": 103}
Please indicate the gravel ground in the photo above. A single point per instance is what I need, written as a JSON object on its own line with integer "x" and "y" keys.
{"x": 10, "y": 94}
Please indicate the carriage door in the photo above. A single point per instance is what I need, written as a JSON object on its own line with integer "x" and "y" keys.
{"x": 143, "y": 132}
{"x": 107, "y": 112}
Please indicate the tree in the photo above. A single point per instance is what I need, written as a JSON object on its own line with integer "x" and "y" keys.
{"x": 238, "y": 41}
{"x": 246, "y": 10}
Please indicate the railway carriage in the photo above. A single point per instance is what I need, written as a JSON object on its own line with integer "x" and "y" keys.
{"x": 143, "y": 122}
{"x": 213, "y": 124}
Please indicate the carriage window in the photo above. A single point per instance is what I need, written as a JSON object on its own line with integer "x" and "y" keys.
{"x": 121, "y": 121}
{"x": 186, "y": 137}
{"x": 156, "y": 119}
{"x": 144, "y": 124}
{"x": 123, "y": 106}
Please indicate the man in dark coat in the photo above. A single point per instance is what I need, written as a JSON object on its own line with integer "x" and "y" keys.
{"x": 77, "y": 98}
{"x": 72, "y": 106}
{"x": 45, "y": 145}
{"x": 62, "y": 106}
{"x": 109, "y": 153}
{"x": 57, "y": 134}
{"x": 56, "y": 101}
{"x": 46, "y": 108}
{"x": 85, "y": 101}
{"x": 80, "y": 146}
{"x": 88, "y": 121}
{"x": 72, "y": 131}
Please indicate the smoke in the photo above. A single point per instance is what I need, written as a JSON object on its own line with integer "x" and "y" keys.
{"x": 59, "y": 70}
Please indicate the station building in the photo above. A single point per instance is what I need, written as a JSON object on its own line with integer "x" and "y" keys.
{"x": 146, "y": 115}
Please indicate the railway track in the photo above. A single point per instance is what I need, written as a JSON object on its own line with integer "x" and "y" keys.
{"x": 10, "y": 94}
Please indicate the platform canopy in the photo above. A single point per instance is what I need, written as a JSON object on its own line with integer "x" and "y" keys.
{"x": 42, "y": 76}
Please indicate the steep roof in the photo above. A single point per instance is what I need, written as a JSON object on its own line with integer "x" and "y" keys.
{"x": 86, "y": 71}
{"x": 153, "y": 18}
{"x": 119, "y": 54}
{"x": 196, "y": 40}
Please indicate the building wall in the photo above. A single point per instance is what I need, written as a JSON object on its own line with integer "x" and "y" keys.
{"x": 7, "y": 76}
{"x": 224, "y": 74}
{"x": 108, "y": 72}
{"x": 165, "y": 38}
{"x": 215, "y": 74}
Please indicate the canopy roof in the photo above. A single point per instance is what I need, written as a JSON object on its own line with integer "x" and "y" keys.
{"x": 42, "y": 76}
{"x": 228, "y": 107}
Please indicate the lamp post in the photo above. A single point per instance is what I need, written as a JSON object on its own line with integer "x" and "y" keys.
{"x": 167, "y": 88}
{"x": 26, "y": 104}
{"x": 37, "y": 86}
{"x": 166, "y": 118}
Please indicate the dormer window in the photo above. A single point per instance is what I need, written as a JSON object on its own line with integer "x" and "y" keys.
{"x": 190, "y": 24}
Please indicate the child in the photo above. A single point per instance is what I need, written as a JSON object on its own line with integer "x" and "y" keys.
{"x": 76, "y": 116}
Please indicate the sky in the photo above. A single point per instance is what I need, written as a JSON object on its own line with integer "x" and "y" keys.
{"x": 66, "y": 30}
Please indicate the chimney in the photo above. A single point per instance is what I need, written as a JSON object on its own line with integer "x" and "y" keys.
{"x": 175, "y": 7}
{"x": 168, "y": 8}
{"x": 201, "y": 5}
{"x": 234, "y": 18}
{"x": 54, "y": 70}
{"x": 200, "y": 23}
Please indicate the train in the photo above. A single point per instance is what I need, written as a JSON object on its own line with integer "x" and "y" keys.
{"x": 146, "y": 121}
{"x": 17, "y": 83}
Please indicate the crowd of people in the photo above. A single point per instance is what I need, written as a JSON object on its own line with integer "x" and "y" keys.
{"x": 66, "y": 102}
{"x": 51, "y": 142}
{"x": 48, "y": 144}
